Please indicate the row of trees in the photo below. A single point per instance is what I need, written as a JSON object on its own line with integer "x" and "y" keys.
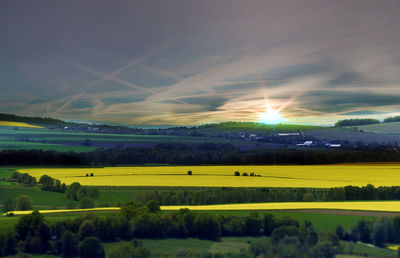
{"x": 83, "y": 235}
{"x": 24, "y": 179}
{"x": 252, "y": 195}
{"x": 194, "y": 155}
{"x": 365, "y": 121}
{"x": 356, "y": 121}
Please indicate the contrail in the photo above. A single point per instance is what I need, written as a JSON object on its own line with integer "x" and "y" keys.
{"x": 111, "y": 77}
{"x": 114, "y": 73}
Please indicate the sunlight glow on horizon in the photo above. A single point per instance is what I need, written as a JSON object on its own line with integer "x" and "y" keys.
{"x": 271, "y": 116}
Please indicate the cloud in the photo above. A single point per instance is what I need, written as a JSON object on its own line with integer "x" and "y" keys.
{"x": 175, "y": 62}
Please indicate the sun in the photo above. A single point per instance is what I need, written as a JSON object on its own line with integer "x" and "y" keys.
{"x": 271, "y": 116}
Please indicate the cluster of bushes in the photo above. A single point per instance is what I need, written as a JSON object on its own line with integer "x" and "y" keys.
{"x": 24, "y": 178}
{"x": 47, "y": 182}
{"x": 83, "y": 235}
{"x": 52, "y": 185}
{"x": 237, "y": 173}
{"x": 378, "y": 232}
{"x": 85, "y": 195}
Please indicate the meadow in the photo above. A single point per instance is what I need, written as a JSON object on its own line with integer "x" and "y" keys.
{"x": 315, "y": 176}
{"x": 27, "y": 138}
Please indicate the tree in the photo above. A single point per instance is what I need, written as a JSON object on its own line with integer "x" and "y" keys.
{"x": 86, "y": 229}
{"x": 91, "y": 247}
{"x": 153, "y": 206}
{"x": 9, "y": 205}
{"x": 207, "y": 226}
{"x": 323, "y": 249}
{"x": 68, "y": 244}
{"x": 72, "y": 191}
{"x": 10, "y": 247}
{"x": 269, "y": 223}
{"x": 23, "y": 203}
{"x": 86, "y": 203}
{"x": 45, "y": 236}
{"x": 340, "y": 232}
{"x": 253, "y": 224}
{"x": 378, "y": 236}
{"x": 28, "y": 224}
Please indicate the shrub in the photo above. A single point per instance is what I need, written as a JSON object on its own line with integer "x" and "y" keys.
{"x": 237, "y": 173}
{"x": 91, "y": 247}
{"x": 86, "y": 203}
{"x": 23, "y": 203}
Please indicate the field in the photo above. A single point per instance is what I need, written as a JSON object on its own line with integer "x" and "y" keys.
{"x": 382, "y": 128}
{"x": 344, "y": 134}
{"x": 18, "y": 124}
{"x": 386, "y": 206}
{"x": 378, "y": 206}
{"x": 323, "y": 176}
{"x": 45, "y": 139}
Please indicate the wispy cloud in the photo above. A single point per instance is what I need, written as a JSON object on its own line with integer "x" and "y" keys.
{"x": 155, "y": 62}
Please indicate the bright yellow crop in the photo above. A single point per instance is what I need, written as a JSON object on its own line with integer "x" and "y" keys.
{"x": 18, "y": 124}
{"x": 65, "y": 211}
{"x": 320, "y": 176}
{"x": 391, "y": 206}
{"x": 393, "y": 247}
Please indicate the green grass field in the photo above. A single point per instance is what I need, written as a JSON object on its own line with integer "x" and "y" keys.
{"x": 45, "y": 139}
{"x": 255, "y": 127}
{"x": 383, "y": 128}
{"x": 171, "y": 245}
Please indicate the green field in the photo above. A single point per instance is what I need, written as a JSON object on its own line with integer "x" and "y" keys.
{"x": 171, "y": 245}
{"x": 382, "y": 128}
{"x": 254, "y": 127}
{"x": 45, "y": 139}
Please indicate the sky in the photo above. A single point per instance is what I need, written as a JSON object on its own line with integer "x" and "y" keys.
{"x": 179, "y": 62}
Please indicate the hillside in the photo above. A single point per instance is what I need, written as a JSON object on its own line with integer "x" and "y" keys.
{"x": 382, "y": 128}
{"x": 253, "y": 127}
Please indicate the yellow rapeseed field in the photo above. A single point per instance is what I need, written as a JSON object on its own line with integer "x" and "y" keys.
{"x": 393, "y": 247}
{"x": 387, "y": 206}
{"x": 65, "y": 211}
{"x": 18, "y": 124}
{"x": 223, "y": 176}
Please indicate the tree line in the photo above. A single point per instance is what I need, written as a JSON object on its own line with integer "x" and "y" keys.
{"x": 84, "y": 235}
{"x": 365, "y": 121}
{"x": 196, "y": 154}
{"x": 264, "y": 194}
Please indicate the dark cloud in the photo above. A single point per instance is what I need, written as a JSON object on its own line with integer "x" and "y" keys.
{"x": 198, "y": 61}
